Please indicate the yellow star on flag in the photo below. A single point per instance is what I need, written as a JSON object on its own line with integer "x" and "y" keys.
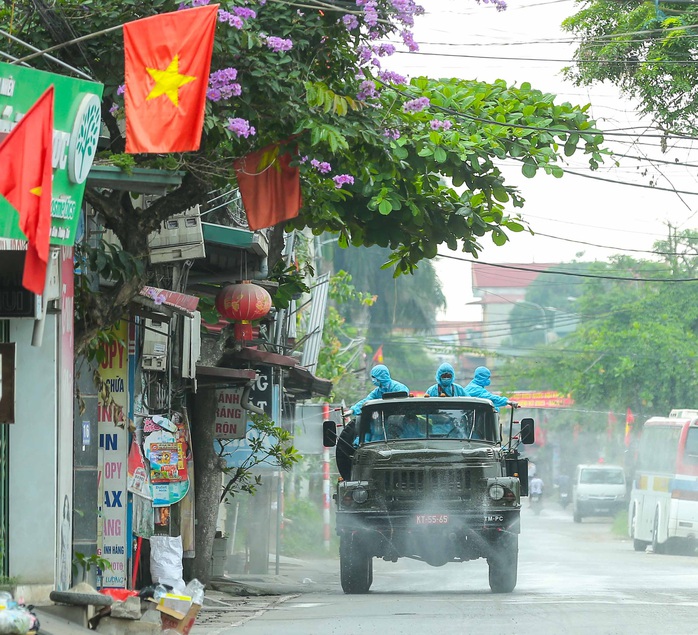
{"x": 36, "y": 191}
{"x": 168, "y": 82}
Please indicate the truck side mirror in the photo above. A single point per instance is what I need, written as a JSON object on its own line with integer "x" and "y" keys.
{"x": 528, "y": 431}
{"x": 329, "y": 434}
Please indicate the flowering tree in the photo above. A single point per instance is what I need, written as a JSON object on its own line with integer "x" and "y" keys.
{"x": 409, "y": 166}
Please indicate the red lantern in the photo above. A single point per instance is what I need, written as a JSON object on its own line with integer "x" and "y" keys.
{"x": 243, "y": 303}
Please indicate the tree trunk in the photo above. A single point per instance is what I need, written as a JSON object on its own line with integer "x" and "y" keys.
{"x": 207, "y": 481}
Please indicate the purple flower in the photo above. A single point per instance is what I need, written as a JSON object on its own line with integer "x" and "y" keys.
{"x": 341, "y": 179}
{"x": 241, "y": 127}
{"x": 385, "y": 50}
{"x": 416, "y": 105}
{"x": 350, "y": 21}
{"x": 113, "y": 109}
{"x": 278, "y": 44}
{"x": 214, "y": 94}
{"x": 437, "y": 124}
{"x": 121, "y": 89}
{"x": 322, "y": 167}
{"x": 367, "y": 89}
{"x": 244, "y": 13}
{"x": 408, "y": 40}
{"x": 389, "y": 77}
{"x": 391, "y": 133}
{"x": 303, "y": 159}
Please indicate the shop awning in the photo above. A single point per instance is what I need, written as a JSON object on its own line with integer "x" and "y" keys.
{"x": 218, "y": 375}
{"x": 303, "y": 384}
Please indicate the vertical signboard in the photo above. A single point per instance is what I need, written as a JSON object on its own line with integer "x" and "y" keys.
{"x": 112, "y": 424}
{"x": 231, "y": 420}
{"x": 77, "y": 122}
{"x": 238, "y": 449}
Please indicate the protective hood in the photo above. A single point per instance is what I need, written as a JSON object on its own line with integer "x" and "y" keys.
{"x": 443, "y": 369}
{"x": 380, "y": 375}
{"x": 482, "y": 376}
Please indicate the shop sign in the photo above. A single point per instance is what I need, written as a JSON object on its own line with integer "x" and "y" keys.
{"x": 230, "y": 421}
{"x": 77, "y": 123}
{"x": 15, "y": 300}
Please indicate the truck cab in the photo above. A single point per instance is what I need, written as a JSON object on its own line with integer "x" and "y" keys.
{"x": 428, "y": 479}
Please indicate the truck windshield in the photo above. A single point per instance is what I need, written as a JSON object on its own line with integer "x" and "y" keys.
{"x": 392, "y": 423}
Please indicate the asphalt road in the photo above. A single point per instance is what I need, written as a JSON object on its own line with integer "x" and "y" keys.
{"x": 573, "y": 579}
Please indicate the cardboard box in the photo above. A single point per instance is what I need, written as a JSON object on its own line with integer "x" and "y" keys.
{"x": 181, "y": 625}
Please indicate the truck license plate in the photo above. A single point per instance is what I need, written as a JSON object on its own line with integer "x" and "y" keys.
{"x": 432, "y": 519}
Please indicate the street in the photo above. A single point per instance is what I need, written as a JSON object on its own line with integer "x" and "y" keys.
{"x": 573, "y": 578}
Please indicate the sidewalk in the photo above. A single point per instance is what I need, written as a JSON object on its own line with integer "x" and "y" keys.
{"x": 234, "y": 599}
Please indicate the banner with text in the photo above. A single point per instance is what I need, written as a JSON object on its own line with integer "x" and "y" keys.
{"x": 113, "y": 460}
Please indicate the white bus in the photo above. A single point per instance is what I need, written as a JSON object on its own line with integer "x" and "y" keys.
{"x": 663, "y": 506}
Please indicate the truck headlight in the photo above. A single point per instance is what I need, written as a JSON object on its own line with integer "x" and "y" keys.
{"x": 496, "y": 492}
{"x": 359, "y": 495}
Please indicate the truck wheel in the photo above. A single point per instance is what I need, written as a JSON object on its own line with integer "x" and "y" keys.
{"x": 355, "y": 565}
{"x": 504, "y": 564}
{"x": 657, "y": 546}
{"x": 638, "y": 545}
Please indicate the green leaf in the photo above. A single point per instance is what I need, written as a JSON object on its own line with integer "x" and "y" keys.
{"x": 529, "y": 170}
{"x": 385, "y": 207}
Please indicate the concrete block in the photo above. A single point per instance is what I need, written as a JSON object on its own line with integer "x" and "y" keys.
{"x": 130, "y": 609}
{"x": 116, "y": 626}
{"x": 73, "y": 614}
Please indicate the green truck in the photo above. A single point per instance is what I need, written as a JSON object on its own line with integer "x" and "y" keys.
{"x": 429, "y": 479}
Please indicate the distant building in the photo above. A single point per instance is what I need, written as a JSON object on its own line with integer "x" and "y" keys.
{"x": 498, "y": 289}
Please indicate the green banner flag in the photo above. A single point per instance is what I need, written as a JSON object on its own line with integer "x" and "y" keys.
{"x": 77, "y": 123}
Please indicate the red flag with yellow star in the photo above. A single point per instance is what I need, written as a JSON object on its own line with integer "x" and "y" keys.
{"x": 167, "y": 63}
{"x": 25, "y": 181}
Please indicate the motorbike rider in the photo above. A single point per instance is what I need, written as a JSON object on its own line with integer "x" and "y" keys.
{"x": 477, "y": 388}
{"x": 446, "y": 385}
{"x": 383, "y": 382}
{"x": 535, "y": 489}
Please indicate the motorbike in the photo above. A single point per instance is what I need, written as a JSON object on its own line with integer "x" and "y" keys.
{"x": 564, "y": 499}
{"x": 536, "y": 502}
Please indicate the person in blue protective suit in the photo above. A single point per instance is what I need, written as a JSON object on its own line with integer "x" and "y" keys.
{"x": 477, "y": 388}
{"x": 380, "y": 376}
{"x": 446, "y": 385}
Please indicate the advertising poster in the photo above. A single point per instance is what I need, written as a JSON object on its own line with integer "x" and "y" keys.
{"x": 167, "y": 450}
{"x": 112, "y": 536}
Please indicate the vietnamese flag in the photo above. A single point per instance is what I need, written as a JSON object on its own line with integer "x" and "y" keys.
{"x": 167, "y": 63}
{"x": 25, "y": 181}
{"x": 378, "y": 355}
{"x": 270, "y": 187}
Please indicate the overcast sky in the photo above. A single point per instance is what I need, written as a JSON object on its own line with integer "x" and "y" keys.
{"x": 459, "y": 38}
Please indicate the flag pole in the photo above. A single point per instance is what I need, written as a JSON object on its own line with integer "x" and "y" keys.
{"x": 82, "y": 38}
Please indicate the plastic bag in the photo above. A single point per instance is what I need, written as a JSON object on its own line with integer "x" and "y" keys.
{"x": 166, "y": 561}
{"x": 195, "y": 590}
{"x": 16, "y": 621}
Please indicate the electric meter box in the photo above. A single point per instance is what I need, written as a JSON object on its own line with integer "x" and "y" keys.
{"x": 180, "y": 237}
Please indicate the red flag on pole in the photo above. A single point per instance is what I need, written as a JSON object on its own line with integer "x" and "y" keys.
{"x": 167, "y": 61}
{"x": 378, "y": 355}
{"x": 269, "y": 186}
{"x": 629, "y": 420}
{"x": 611, "y": 426}
{"x": 25, "y": 181}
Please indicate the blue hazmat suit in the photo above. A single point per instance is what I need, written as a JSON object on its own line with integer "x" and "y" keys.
{"x": 446, "y": 387}
{"x": 380, "y": 376}
{"x": 476, "y": 388}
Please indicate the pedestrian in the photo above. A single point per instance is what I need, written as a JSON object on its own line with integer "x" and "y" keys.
{"x": 477, "y": 388}
{"x": 446, "y": 385}
{"x": 383, "y": 382}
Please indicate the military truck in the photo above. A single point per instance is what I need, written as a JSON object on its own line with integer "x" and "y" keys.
{"x": 428, "y": 479}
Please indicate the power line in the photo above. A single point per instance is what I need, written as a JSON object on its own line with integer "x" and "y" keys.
{"x": 567, "y": 273}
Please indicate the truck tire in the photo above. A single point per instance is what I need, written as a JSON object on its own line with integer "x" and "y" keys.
{"x": 638, "y": 545}
{"x": 657, "y": 547}
{"x": 355, "y": 565}
{"x": 504, "y": 563}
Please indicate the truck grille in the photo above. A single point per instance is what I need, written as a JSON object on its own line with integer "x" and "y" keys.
{"x": 444, "y": 483}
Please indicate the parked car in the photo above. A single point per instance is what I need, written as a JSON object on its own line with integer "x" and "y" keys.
{"x": 598, "y": 490}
